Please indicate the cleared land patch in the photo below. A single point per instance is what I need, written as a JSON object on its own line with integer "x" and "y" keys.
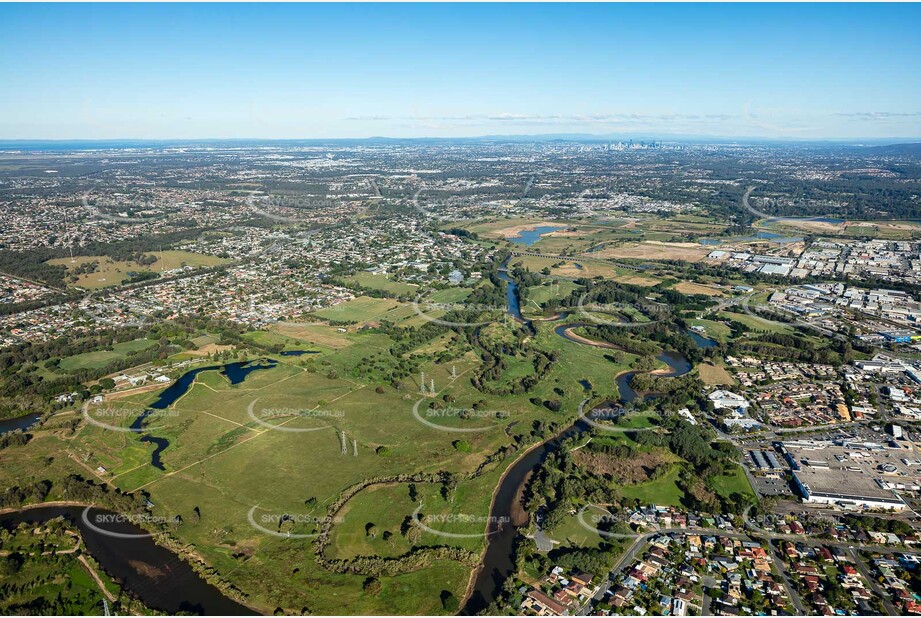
{"x": 654, "y": 250}
{"x": 714, "y": 374}
{"x": 687, "y": 287}
{"x": 382, "y": 282}
{"x": 109, "y": 272}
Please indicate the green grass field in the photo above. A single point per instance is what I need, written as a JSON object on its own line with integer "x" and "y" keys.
{"x": 537, "y": 295}
{"x": 756, "y": 323}
{"x": 111, "y": 272}
{"x": 572, "y": 533}
{"x": 382, "y": 282}
{"x": 639, "y": 420}
{"x": 715, "y": 330}
{"x": 737, "y": 482}
{"x": 96, "y": 360}
{"x": 662, "y": 491}
{"x": 224, "y": 462}
{"x": 361, "y": 309}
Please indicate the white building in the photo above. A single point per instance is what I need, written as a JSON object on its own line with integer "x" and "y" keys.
{"x": 726, "y": 399}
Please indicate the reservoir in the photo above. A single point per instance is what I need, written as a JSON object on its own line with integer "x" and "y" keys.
{"x": 529, "y": 237}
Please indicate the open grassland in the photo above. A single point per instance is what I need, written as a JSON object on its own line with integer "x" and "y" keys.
{"x": 756, "y": 323}
{"x": 639, "y": 420}
{"x": 685, "y": 223}
{"x": 885, "y": 230}
{"x": 572, "y": 532}
{"x": 508, "y": 228}
{"x": 663, "y": 490}
{"x": 273, "y": 445}
{"x": 735, "y": 482}
{"x": 111, "y": 272}
{"x": 101, "y": 358}
{"x": 361, "y": 309}
{"x": 715, "y": 330}
{"x": 382, "y": 282}
{"x": 579, "y": 238}
{"x": 687, "y": 287}
{"x": 322, "y": 335}
{"x": 538, "y": 295}
{"x": 574, "y": 268}
{"x": 714, "y": 374}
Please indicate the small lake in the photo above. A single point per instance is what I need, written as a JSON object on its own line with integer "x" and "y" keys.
{"x": 20, "y": 423}
{"x": 529, "y": 237}
{"x": 297, "y": 352}
{"x": 701, "y": 341}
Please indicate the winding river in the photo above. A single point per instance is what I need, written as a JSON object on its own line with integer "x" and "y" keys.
{"x": 498, "y": 562}
{"x": 154, "y": 574}
{"x": 163, "y": 581}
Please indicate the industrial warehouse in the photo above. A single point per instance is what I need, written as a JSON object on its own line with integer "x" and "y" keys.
{"x": 840, "y": 487}
{"x": 850, "y": 474}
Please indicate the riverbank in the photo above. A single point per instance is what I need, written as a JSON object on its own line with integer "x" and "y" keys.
{"x": 474, "y": 575}
{"x": 497, "y": 562}
{"x": 163, "y": 577}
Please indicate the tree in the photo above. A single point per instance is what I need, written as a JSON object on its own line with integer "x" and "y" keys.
{"x": 449, "y": 602}
{"x": 372, "y": 586}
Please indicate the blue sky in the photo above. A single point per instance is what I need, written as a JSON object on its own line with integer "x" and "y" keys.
{"x": 316, "y": 70}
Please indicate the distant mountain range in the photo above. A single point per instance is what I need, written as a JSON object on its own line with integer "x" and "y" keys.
{"x": 913, "y": 148}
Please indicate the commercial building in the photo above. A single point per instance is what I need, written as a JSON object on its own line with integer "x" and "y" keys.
{"x": 840, "y": 487}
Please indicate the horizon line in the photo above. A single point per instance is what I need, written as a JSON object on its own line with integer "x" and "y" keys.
{"x": 574, "y": 136}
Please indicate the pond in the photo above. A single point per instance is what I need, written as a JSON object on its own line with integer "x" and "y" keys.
{"x": 20, "y": 423}
{"x": 529, "y": 237}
